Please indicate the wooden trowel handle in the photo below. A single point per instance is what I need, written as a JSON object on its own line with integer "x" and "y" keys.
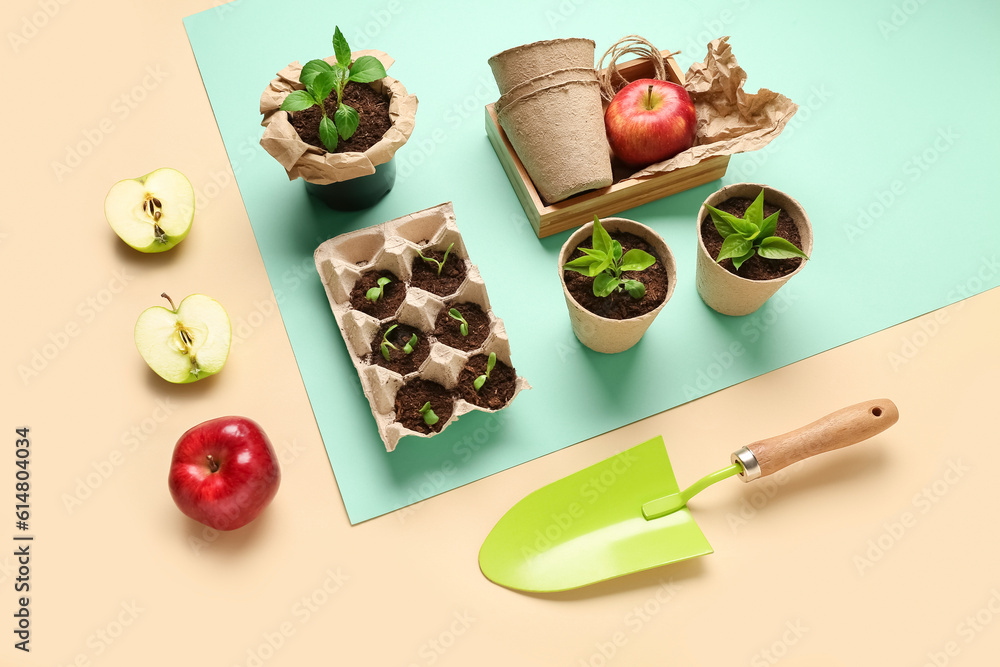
{"x": 838, "y": 429}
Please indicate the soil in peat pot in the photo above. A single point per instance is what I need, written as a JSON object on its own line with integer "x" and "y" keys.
{"x": 757, "y": 267}
{"x": 425, "y": 275}
{"x": 413, "y": 395}
{"x": 448, "y": 330}
{"x": 498, "y": 389}
{"x": 620, "y": 305}
{"x": 392, "y": 294}
{"x": 373, "y": 119}
{"x": 398, "y": 360}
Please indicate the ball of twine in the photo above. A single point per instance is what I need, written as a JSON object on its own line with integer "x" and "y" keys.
{"x": 610, "y": 80}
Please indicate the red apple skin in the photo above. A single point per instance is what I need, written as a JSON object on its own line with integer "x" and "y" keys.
{"x": 224, "y": 472}
{"x": 643, "y": 128}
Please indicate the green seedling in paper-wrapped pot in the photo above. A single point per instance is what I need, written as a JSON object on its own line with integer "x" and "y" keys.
{"x": 344, "y": 104}
{"x": 321, "y": 79}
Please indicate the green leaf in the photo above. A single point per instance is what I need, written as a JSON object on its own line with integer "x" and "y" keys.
{"x": 478, "y": 383}
{"x": 755, "y": 212}
{"x": 721, "y": 224}
{"x": 410, "y": 344}
{"x": 616, "y": 250}
{"x": 311, "y": 69}
{"x": 734, "y": 246}
{"x": 581, "y": 264}
{"x": 605, "y": 284}
{"x": 600, "y": 267}
{"x": 297, "y": 100}
{"x": 388, "y": 331}
{"x": 491, "y": 362}
{"x": 635, "y": 289}
{"x": 445, "y": 258}
{"x": 429, "y": 417}
{"x": 455, "y": 315}
{"x": 346, "y": 119}
{"x": 367, "y": 69}
{"x": 601, "y": 239}
{"x": 340, "y": 48}
{"x": 738, "y": 224}
{"x": 383, "y": 281}
{"x": 322, "y": 85}
{"x": 328, "y": 133}
{"x": 769, "y": 225}
{"x": 593, "y": 253}
{"x": 374, "y": 294}
{"x": 637, "y": 260}
{"x": 738, "y": 261}
{"x": 775, "y": 247}
{"x": 385, "y": 350}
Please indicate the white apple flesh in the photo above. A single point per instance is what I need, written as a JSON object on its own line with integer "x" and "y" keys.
{"x": 186, "y": 343}
{"x": 152, "y": 213}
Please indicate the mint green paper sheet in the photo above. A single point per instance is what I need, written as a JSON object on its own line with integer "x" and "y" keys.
{"x": 889, "y": 152}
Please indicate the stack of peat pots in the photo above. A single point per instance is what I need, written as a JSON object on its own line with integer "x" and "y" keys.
{"x": 550, "y": 108}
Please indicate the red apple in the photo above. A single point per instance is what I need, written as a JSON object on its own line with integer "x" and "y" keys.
{"x": 650, "y": 120}
{"x": 224, "y": 472}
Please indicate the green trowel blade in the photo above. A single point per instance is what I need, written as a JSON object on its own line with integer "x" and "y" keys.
{"x": 588, "y": 527}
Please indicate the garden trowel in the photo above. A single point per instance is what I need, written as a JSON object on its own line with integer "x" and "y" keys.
{"x": 627, "y": 514}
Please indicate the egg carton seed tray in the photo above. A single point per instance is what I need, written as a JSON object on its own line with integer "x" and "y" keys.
{"x": 394, "y": 246}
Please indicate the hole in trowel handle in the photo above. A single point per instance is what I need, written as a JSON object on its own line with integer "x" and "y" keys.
{"x": 876, "y": 411}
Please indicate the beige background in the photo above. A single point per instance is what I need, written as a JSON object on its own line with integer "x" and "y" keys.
{"x": 120, "y": 577}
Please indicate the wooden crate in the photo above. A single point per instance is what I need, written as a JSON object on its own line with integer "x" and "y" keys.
{"x": 548, "y": 219}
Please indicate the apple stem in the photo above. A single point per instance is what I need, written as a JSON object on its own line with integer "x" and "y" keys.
{"x": 649, "y": 97}
{"x": 213, "y": 465}
{"x": 172, "y": 306}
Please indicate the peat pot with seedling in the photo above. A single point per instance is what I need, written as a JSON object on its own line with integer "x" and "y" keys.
{"x": 337, "y": 123}
{"x": 752, "y": 239}
{"x": 615, "y": 284}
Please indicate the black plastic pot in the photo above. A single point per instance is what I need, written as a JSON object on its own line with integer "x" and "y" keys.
{"x": 357, "y": 193}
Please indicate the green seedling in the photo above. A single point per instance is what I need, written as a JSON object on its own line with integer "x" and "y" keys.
{"x": 321, "y": 78}
{"x": 455, "y": 315}
{"x": 478, "y": 383}
{"x": 605, "y": 263}
{"x": 753, "y": 233}
{"x": 429, "y": 417}
{"x": 375, "y": 293}
{"x": 431, "y": 260}
{"x": 386, "y": 345}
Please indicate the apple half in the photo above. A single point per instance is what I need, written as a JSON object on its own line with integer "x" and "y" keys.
{"x": 152, "y": 213}
{"x": 185, "y": 343}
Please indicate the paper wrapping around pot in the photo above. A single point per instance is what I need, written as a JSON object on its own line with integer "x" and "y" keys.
{"x": 728, "y": 293}
{"x": 558, "y": 133}
{"x": 394, "y": 246}
{"x": 302, "y": 160}
{"x": 730, "y": 120}
{"x": 521, "y": 63}
{"x": 603, "y": 334}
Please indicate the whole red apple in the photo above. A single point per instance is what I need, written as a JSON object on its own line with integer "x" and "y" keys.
{"x": 650, "y": 120}
{"x": 224, "y": 472}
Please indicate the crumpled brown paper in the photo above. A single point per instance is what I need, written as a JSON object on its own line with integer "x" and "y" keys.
{"x": 302, "y": 160}
{"x": 730, "y": 120}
